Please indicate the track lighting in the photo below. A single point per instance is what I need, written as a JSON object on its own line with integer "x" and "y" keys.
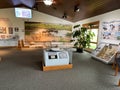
{"x": 64, "y": 15}
{"x": 48, "y": 2}
{"x": 76, "y": 8}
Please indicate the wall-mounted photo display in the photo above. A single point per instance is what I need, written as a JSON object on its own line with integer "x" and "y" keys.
{"x": 2, "y": 30}
{"x": 16, "y": 29}
{"x": 2, "y": 37}
{"x": 15, "y": 37}
{"x": 111, "y": 30}
{"x": 8, "y": 36}
{"x": 39, "y": 31}
{"x": 10, "y": 29}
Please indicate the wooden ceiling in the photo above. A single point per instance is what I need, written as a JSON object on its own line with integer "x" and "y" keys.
{"x": 88, "y": 8}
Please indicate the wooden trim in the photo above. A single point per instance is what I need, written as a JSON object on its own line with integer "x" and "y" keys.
{"x": 26, "y": 46}
{"x": 119, "y": 83}
{"x": 94, "y": 42}
{"x": 88, "y": 50}
{"x": 95, "y": 25}
{"x": 59, "y": 67}
{"x": 8, "y": 46}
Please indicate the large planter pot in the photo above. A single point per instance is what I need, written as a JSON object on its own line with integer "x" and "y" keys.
{"x": 80, "y": 50}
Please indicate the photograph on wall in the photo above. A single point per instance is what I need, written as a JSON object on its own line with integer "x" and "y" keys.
{"x": 111, "y": 30}
{"x": 2, "y": 36}
{"x": 2, "y": 30}
{"x": 15, "y": 37}
{"x": 38, "y": 31}
{"x": 10, "y": 30}
{"x": 9, "y": 36}
{"x": 16, "y": 29}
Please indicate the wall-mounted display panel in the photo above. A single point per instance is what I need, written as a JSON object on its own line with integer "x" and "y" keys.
{"x": 23, "y": 13}
{"x": 38, "y": 32}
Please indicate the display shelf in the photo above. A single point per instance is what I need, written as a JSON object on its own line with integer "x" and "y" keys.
{"x": 105, "y": 52}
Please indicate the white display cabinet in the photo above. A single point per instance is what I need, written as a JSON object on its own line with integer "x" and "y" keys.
{"x": 105, "y": 52}
{"x": 56, "y": 57}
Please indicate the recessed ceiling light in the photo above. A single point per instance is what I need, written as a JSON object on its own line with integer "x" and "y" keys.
{"x": 76, "y": 8}
{"x": 48, "y": 2}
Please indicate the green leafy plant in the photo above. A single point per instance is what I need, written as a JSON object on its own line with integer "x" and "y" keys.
{"x": 82, "y": 37}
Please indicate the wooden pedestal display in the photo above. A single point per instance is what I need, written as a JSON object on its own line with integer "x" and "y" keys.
{"x": 20, "y": 44}
{"x": 56, "y": 59}
{"x": 119, "y": 83}
{"x": 59, "y": 67}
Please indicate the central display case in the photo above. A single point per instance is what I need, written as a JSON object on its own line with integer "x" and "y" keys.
{"x": 56, "y": 58}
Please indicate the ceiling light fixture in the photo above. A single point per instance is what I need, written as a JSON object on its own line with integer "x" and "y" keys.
{"x": 48, "y": 2}
{"x": 76, "y": 8}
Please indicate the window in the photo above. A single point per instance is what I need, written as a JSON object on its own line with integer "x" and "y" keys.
{"x": 94, "y": 26}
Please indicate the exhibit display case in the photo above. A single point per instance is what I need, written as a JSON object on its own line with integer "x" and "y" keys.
{"x": 56, "y": 58}
{"x": 105, "y": 52}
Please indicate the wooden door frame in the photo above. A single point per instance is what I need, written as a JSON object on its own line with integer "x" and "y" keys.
{"x": 92, "y": 25}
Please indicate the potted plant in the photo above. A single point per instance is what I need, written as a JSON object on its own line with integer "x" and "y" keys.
{"x": 82, "y": 38}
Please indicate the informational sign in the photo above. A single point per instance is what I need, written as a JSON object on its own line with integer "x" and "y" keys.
{"x": 23, "y": 13}
{"x": 111, "y": 30}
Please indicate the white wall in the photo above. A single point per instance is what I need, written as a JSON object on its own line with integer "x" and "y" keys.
{"x": 41, "y": 17}
{"x": 106, "y": 17}
{"x": 8, "y": 16}
{"x": 8, "y": 19}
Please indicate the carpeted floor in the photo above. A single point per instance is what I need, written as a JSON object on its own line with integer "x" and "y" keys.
{"x": 21, "y": 70}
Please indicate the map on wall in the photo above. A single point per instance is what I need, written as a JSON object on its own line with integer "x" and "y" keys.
{"x": 37, "y": 31}
{"x": 111, "y": 30}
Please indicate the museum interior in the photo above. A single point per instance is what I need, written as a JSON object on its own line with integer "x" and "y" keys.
{"x": 59, "y": 44}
